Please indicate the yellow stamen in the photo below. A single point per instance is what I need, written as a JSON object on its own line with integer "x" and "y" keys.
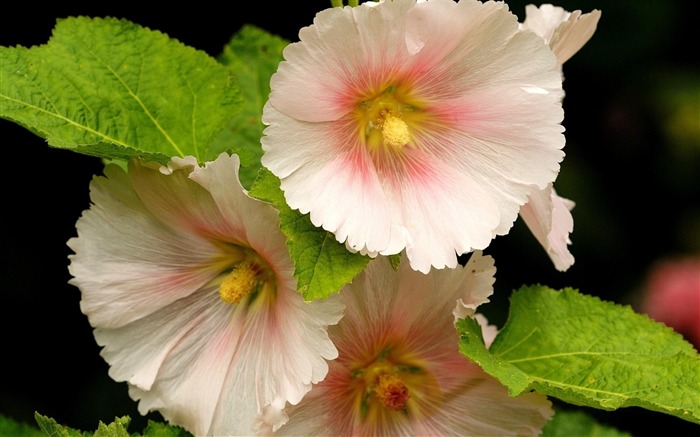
{"x": 391, "y": 392}
{"x": 395, "y": 131}
{"x": 239, "y": 284}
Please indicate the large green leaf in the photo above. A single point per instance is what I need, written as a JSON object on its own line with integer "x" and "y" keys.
{"x": 253, "y": 55}
{"x": 322, "y": 265}
{"x": 110, "y": 88}
{"x": 585, "y": 351}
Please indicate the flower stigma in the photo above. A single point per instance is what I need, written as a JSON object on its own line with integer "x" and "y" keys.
{"x": 392, "y": 381}
{"x": 387, "y": 117}
{"x": 395, "y": 131}
{"x": 249, "y": 274}
{"x": 391, "y": 392}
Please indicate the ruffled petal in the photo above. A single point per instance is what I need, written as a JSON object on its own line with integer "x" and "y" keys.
{"x": 409, "y": 315}
{"x": 337, "y": 184}
{"x": 149, "y": 270}
{"x": 346, "y": 50}
{"x": 565, "y": 32}
{"x": 122, "y": 249}
{"x": 485, "y": 125}
{"x": 549, "y": 218}
{"x": 480, "y": 406}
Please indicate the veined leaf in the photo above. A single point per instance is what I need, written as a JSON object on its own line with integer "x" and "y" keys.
{"x": 585, "y": 351}
{"x": 322, "y": 265}
{"x": 110, "y": 88}
{"x": 253, "y": 55}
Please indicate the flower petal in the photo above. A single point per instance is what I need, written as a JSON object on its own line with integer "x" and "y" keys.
{"x": 149, "y": 270}
{"x": 484, "y": 126}
{"x": 409, "y": 315}
{"x": 123, "y": 249}
{"x": 565, "y": 32}
{"x": 549, "y": 218}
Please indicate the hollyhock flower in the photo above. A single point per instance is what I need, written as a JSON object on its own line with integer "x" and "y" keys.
{"x": 399, "y": 370}
{"x": 414, "y": 125}
{"x": 188, "y": 284}
{"x": 546, "y": 214}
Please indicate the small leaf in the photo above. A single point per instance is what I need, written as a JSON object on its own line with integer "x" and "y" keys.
{"x": 579, "y": 424}
{"x": 253, "y": 55}
{"x": 110, "y": 88}
{"x": 54, "y": 429}
{"x": 158, "y": 429}
{"x": 588, "y": 352}
{"x": 322, "y": 265}
{"x": 395, "y": 261}
{"x": 114, "y": 429}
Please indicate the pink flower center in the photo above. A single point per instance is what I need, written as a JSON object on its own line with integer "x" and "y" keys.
{"x": 391, "y": 392}
{"x": 392, "y": 381}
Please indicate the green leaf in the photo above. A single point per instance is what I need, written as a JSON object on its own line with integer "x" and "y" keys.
{"x": 322, "y": 265}
{"x": 118, "y": 428}
{"x": 12, "y": 428}
{"x": 579, "y": 424}
{"x": 585, "y": 351}
{"x": 395, "y": 261}
{"x": 114, "y": 429}
{"x": 158, "y": 429}
{"x": 253, "y": 55}
{"x": 54, "y": 429}
{"x": 110, "y": 88}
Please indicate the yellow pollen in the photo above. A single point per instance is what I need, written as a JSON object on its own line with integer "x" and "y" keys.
{"x": 395, "y": 131}
{"x": 239, "y": 283}
{"x": 391, "y": 392}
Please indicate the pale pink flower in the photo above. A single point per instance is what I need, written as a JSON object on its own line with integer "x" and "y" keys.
{"x": 399, "y": 370}
{"x": 417, "y": 126}
{"x": 188, "y": 284}
{"x": 546, "y": 214}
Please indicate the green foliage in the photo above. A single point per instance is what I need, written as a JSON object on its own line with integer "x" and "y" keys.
{"x": 110, "y": 88}
{"x": 579, "y": 424}
{"x": 12, "y": 428}
{"x": 118, "y": 428}
{"x": 54, "y": 429}
{"x": 158, "y": 429}
{"x": 585, "y": 351}
{"x": 321, "y": 264}
{"x": 395, "y": 261}
{"x": 253, "y": 56}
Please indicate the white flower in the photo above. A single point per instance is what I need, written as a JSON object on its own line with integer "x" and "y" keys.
{"x": 399, "y": 370}
{"x": 417, "y": 126}
{"x": 188, "y": 284}
{"x": 546, "y": 214}
{"x": 565, "y": 32}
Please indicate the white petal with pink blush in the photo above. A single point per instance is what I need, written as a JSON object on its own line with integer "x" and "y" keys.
{"x": 417, "y": 126}
{"x": 399, "y": 370}
{"x": 189, "y": 286}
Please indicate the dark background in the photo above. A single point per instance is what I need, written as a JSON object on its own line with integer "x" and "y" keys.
{"x": 632, "y": 174}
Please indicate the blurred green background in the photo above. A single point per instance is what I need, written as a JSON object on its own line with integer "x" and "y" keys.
{"x": 633, "y": 156}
